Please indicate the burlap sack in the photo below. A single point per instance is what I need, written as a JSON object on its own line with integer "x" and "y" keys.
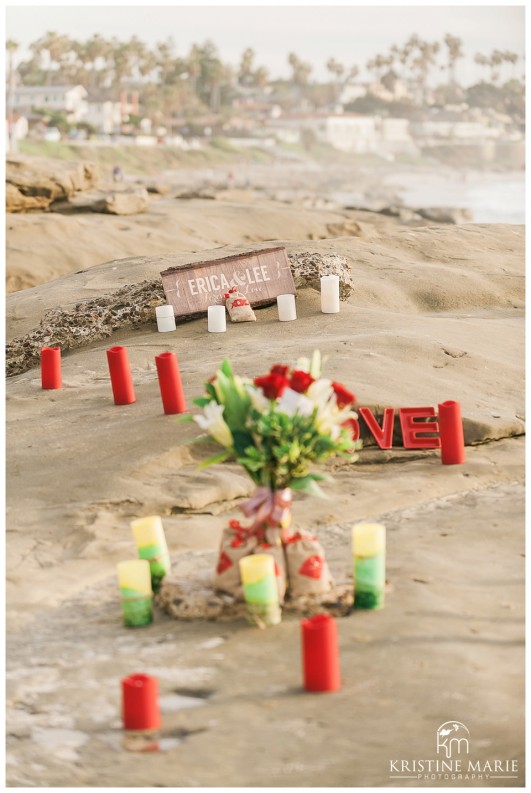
{"x": 277, "y": 552}
{"x": 238, "y": 307}
{"x": 308, "y": 572}
{"x": 236, "y": 542}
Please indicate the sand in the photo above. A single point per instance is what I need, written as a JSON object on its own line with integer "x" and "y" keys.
{"x": 437, "y": 313}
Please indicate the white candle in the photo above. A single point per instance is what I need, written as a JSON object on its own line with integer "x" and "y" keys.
{"x": 286, "y": 308}
{"x": 217, "y": 320}
{"x": 330, "y": 294}
{"x": 165, "y": 318}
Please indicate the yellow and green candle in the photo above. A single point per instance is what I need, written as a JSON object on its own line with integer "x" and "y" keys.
{"x": 151, "y": 545}
{"x": 368, "y": 546}
{"x": 260, "y": 589}
{"x": 134, "y": 579}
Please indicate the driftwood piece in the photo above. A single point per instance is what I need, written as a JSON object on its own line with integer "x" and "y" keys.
{"x": 91, "y": 320}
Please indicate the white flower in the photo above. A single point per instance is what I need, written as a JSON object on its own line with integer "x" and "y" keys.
{"x": 258, "y": 400}
{"x": 315, "y": 364}
{"x": 292, "y": 402}
{"x": 303, "y": 365}
{"x": 320, "y": 393}
{"x": 214, "y": 423}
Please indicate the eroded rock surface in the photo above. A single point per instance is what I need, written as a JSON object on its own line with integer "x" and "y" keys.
{"x": 36, "y": 182}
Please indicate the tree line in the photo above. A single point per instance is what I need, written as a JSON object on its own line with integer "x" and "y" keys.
{"x": 199, "y": 81}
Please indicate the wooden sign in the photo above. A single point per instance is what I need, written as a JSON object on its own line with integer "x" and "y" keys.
{"x": 259, "y": 275}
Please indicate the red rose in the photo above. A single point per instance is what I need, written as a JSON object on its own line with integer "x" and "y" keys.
{"x": 300, "y": 381}
{"x": 343, "y": 397}
{"x": 273, "y": 385}
{"x": 279, "y": 369}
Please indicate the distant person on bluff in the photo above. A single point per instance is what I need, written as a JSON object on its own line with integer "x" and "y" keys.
{"x": 117, "y": 174}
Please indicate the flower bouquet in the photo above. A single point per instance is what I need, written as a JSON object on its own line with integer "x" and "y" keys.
{"x": 278, "y": 427}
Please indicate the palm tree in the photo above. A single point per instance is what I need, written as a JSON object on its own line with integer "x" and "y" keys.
{"x": 194, "y": 68}
{"x": 57, "y": 47}
{"x": 164, "y": 54}
{"x": 300, "y": 74}
{"x": 11, "y": 47}
{"x": 377, "y": 65}
{"x": 95, "y": 53}
{"x": 337, "y": 70}
{"x": 245, "y": 71}
{"x": 454, "y": 46}
{"x": 482, "y": 61}
{"x": 424, "y": 63}
{"x": 512, "y": 58}
{"x": 261, "y": 77}
{"x": 121, "y": 62}
{"x": 496, "y": 60}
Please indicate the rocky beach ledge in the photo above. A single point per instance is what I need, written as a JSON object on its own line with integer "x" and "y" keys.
{"x": 428, "y": 313}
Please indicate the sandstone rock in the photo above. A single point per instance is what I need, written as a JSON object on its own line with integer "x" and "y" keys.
{"x": 159, "y": 188}
{"x": 190, "y": 194}
{"x": 123, "y": 202}
{"x": 351, "y": 228}
{"x": 36, "y": 182}
{"x": 446, "y": 215}
{"x": 16, "y": 201}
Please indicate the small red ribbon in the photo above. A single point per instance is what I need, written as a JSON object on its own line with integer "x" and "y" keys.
{"x": 267, "y": 508}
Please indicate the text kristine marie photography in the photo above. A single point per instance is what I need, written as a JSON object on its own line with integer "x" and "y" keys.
{"x": 454, "y": 761}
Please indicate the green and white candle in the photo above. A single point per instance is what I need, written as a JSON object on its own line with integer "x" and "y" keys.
{"x": 368, "y": 546}
{"x": 260, "y": 589}
{"x": 151, "y": 545}
{"x": 134, "y": 579}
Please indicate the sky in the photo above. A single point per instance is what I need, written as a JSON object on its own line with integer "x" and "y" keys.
{"x": 350, "y": 33}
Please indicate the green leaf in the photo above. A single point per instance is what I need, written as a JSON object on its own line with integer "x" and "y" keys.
{"x": 185, "y": 418}
{"x": 201, "y": 402}
{"x": 242, "y": 440}
{"x": 307, "y": 484}
{"x": 319, "y": 477}
{"x": 211, "y": 391}
{"x": 226, "y": 368}
{"x": 236, "y": 405}
{"x": 216, "y": 458}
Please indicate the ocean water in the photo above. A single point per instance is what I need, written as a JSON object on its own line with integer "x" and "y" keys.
{"x": 491, "y": 197}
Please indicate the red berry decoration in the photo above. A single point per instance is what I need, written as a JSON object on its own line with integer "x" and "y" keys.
{"x": 224, "y": 563}
{"x": 312, "y": 567}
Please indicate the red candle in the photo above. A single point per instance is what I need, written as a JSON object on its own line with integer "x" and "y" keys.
{"x": 451, "y": 432}
{"x": 51, "y": 367}
{"x": 171, "y": 387}
{"x": 320, "y": 654}
{"x": 140, "y": 705}
{"x": 121, "y": 380}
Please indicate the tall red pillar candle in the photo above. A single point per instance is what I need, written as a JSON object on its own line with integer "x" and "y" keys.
{"x": 140, "y": 703}
{"x": 51, "y": 367}
{"x": 451, "y": 432}
{"x": 320, "y": 653}
{"x": 171, "y": 387}
{"x": 122, "y": 383}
